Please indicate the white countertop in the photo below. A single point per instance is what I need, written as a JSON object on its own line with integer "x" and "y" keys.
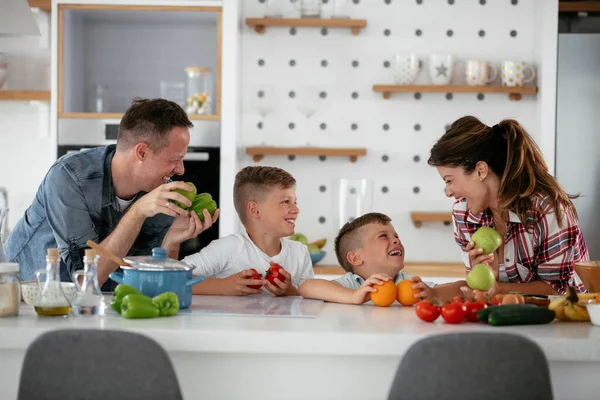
{"x": 336, "y": 330}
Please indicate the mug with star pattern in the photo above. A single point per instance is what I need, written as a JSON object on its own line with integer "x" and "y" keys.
{"x": 441, "y": 67}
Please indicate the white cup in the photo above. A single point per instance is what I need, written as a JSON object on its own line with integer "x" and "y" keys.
{"x": 406, "y": 67}
{"x": 441, "y": 67}
{"x": 477, "y": 73}
{"x": 513, "y": 73}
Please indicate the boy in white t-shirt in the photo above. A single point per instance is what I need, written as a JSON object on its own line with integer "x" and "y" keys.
{"x": 370, "y": 251}
{"x": 265, "y": 200}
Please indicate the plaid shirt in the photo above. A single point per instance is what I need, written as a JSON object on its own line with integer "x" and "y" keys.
{"x": 544, "y": 252}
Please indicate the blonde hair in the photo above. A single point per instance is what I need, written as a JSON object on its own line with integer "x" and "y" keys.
{"x": 255, "y": 184}
{"x": 512, "y": 155}
{"x": 350, "y": 237}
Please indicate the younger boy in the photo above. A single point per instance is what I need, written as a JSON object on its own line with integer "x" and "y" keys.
{"x": 369, "y": 249}
{"x": 265, "y": 200}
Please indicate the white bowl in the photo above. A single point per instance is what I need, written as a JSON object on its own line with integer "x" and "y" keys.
{"x": 594, "y": 311}
{"x": 30, "y": 293}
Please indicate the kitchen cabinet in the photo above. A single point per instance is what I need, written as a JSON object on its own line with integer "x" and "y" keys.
{"x": 109, "y": 54}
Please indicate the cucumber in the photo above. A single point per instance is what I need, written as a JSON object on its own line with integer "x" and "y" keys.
{"x": 484, "y": 313}
{"x": 520, "y": 316}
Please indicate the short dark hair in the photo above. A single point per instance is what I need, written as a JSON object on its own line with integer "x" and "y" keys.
{"x": 255, "y": 183}
{"x": 350, "y": 237}
{"x": 150, "y": 121}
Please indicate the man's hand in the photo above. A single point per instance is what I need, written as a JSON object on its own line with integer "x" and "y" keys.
{"x": 280, "y": 288}
{"x": 188, "y": 226}
{"x": 160, "y": 201}
{"x": 363, "y": 293}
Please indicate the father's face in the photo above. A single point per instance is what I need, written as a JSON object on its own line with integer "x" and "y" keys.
{"x": 160, "y": 167}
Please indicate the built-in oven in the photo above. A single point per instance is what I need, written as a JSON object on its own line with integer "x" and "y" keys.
{"x": 202, "y": 162}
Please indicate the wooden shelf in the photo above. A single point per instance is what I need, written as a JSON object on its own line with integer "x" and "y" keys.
{"x": 86, "y": 115}
{"x": 25, "y": 95}
{"x": 579, "y": 6}
{"x": 419, "y": 217}
{"x": 44, "y": 5}
{"x": 260, "y": 24}
{"x": 414, "y": 268}
{"x": 514, "y": 93}
{"x": 258, "y": 152}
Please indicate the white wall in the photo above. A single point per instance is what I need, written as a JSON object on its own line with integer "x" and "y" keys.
{"x": 400, "y": 175}
{"x": 24, "y": 127}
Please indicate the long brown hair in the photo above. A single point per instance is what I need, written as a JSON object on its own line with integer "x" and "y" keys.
{"x": 511, "y": 154}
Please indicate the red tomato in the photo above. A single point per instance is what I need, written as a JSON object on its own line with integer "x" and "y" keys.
{"x": 274, "y": 272}
{"x": 472, "y": 308}
{"x": 495, "y": 302}
{"x": 427, "y": 311}
{"x": 454, "y": 312}
{"x": 255, "y": 275}
{"x": 459, "y": 299}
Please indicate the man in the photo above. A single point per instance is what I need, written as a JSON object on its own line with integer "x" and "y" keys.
{"x": 121, "y": 196}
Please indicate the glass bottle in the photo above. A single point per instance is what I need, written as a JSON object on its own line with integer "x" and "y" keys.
{"x": 199, "y": 91}
{"x": 3, "y": 212}
{"x": 89, "y": 299}
{"x": 52, "y": 300}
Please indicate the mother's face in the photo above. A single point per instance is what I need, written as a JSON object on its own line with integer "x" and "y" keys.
{"x": 463, "y": 186}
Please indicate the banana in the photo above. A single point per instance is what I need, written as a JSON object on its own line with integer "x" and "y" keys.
{"x": 320, "y": 243}
{"x": 558, "y": 306}
{"x": 572, "y": 309}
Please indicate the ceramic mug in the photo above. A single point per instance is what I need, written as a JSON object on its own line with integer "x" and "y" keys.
{"x": 441, "y": 67}
{"x": 513, "y": 73}
{"x": 405, "y": 68}
{"x": 477, "y": 73}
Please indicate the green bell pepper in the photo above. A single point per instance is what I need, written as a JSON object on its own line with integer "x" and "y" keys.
{"x": 120, "y": 292}
{"x": 167, "y": 304}
{"x": 138, "y": 306}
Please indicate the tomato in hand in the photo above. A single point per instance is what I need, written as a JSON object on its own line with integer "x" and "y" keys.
{"x": 274, "y": 272}
{"x": 427, "y": 311}
{"x": 472, "y": 308}
{"x": 255, "y": 275}
{"x": 454, "y": 312}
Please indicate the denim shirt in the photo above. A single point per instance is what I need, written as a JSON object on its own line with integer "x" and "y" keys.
{"x": 76, "y": 202}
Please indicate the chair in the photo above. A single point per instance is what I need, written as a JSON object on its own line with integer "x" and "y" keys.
{"x": 86, "y": 364}
{"x": 473, "y": 366}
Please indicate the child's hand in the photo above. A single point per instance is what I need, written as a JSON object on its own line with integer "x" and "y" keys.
{"x": 426, "y": 292}
{"x": 363, "y": 293}
{"x": 239, "y": 284}
{"x": 280, "y": 288}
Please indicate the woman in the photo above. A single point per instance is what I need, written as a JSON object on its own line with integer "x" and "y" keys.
{"x": 499, "y": 179}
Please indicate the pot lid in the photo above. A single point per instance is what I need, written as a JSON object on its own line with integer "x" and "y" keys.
{"x": 158, "y": 261}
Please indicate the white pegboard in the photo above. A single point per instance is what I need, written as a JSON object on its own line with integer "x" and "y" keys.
{"x": 283, "y": 60}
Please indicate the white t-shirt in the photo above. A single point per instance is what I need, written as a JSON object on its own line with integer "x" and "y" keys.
{"x": 123, "y": 204}
{"x": 237, "y": 252}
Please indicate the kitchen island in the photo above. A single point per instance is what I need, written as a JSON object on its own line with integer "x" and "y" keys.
{"x": 344, "y": 352}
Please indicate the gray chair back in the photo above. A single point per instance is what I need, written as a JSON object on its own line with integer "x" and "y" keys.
{"x": 464, "y": 366}
{"x": 86, "y": 364}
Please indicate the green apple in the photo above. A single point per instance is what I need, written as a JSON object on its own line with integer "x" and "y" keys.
{"x": 188, "y": 195}
{"x": 486, "y": 238}
{"x": 481, "y": 277}
{"x": 298, "y": 237}
{"x": 313, "y": 249}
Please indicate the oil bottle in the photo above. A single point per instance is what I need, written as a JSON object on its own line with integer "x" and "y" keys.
{"x": 52, "y": 301}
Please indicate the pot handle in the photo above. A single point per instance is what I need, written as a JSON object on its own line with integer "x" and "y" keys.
{"x": 116, "y": 276}
{"x": 194, "y": 280}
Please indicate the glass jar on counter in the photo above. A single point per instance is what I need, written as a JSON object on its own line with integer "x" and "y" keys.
{"x": 199, "y": 91}
{"x": 10, "y": 289}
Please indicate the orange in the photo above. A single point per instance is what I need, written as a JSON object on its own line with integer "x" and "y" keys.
{"x": 598, "y": 298}
{"x": 406, "y": 293}
{"x": 385, "y": 294}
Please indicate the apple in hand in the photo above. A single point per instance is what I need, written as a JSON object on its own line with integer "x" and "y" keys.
{"x": 481, "y": 277}
{"x": 486, "y": 238}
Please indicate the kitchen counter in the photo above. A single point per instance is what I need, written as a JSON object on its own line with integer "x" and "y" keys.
{"x": 348, "y": 352}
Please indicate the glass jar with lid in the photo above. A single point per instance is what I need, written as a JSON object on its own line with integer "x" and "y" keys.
{"x": 199, "y": 91}
{"x": 10, "y": 289}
